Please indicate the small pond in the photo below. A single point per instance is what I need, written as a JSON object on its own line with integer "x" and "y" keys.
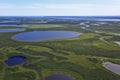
{"x": 14, "y": 60}
{"x": 11, "y": 30}
{"x": 59, "y": 76}
{"x": 117, "y": 42}
{"x": 44, "y": 35}
{"x": 115, "y": 68}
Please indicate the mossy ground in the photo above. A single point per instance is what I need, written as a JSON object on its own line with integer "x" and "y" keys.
{"x": 79, "y": 57}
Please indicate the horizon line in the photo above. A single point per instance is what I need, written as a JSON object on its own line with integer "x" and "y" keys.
{"x": 60, "y": 15}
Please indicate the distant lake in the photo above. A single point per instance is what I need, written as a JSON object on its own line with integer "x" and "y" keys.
{"x": 14, "y": 60}
{"x": 13, "y": 25}
{"x": 44, "y": 35}
{"x": 59, "y": 76}
{"x": 11, "y": 30}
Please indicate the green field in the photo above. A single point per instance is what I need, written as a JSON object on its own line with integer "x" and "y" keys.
{"x": 80, "y": 57}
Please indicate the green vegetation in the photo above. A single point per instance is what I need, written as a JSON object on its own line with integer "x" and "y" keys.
{"x": 80, "y": 57}
{"x": 107, "y": 46}
{"x": 46, "y": 26}
{"x": 20, "y": 76}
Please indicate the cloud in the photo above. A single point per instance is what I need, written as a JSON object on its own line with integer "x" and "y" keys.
{"x": 74, "y": 6}
{"x": 77, "y": 9}
{"x": 61, "y": 6}
{"x": 5, "y": 6}
{"x": 60, "y": 9}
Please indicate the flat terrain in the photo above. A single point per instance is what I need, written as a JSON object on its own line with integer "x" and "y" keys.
{"x": 80, "y": 57}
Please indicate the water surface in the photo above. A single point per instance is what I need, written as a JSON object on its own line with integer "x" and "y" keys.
{"x": 11, "y": 30}
{"x": 115, "y": 68}
{"x": 13, "y": 25}
{"x": 14, "y": 60}
{"x": 117, "y": 42}
{"x": 59, "y": 76}
{"x": 44, "y": 35}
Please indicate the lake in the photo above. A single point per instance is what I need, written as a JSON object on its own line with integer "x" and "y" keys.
{"x": 59, "y": 76}
{"x": 11, "y": 30}
{"x": 44, "y": 35}
{"x": 14, "y": 60}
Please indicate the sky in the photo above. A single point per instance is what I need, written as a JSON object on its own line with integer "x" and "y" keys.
{"x": 59, "y": 7}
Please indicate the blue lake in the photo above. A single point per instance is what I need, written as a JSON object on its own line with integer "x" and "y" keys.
{"x": 14, "y": 60}
{"x": 44, "y": 35}
{"x": 59, "y": 76}
{"x": 11, "y": 30}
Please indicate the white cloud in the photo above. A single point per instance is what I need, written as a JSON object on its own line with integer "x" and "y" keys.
{"x": 5, "y": 6}
{"x": 74, "y": 6}
{"x": 60, "y": 9}
{"x": 77, "y": 9}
